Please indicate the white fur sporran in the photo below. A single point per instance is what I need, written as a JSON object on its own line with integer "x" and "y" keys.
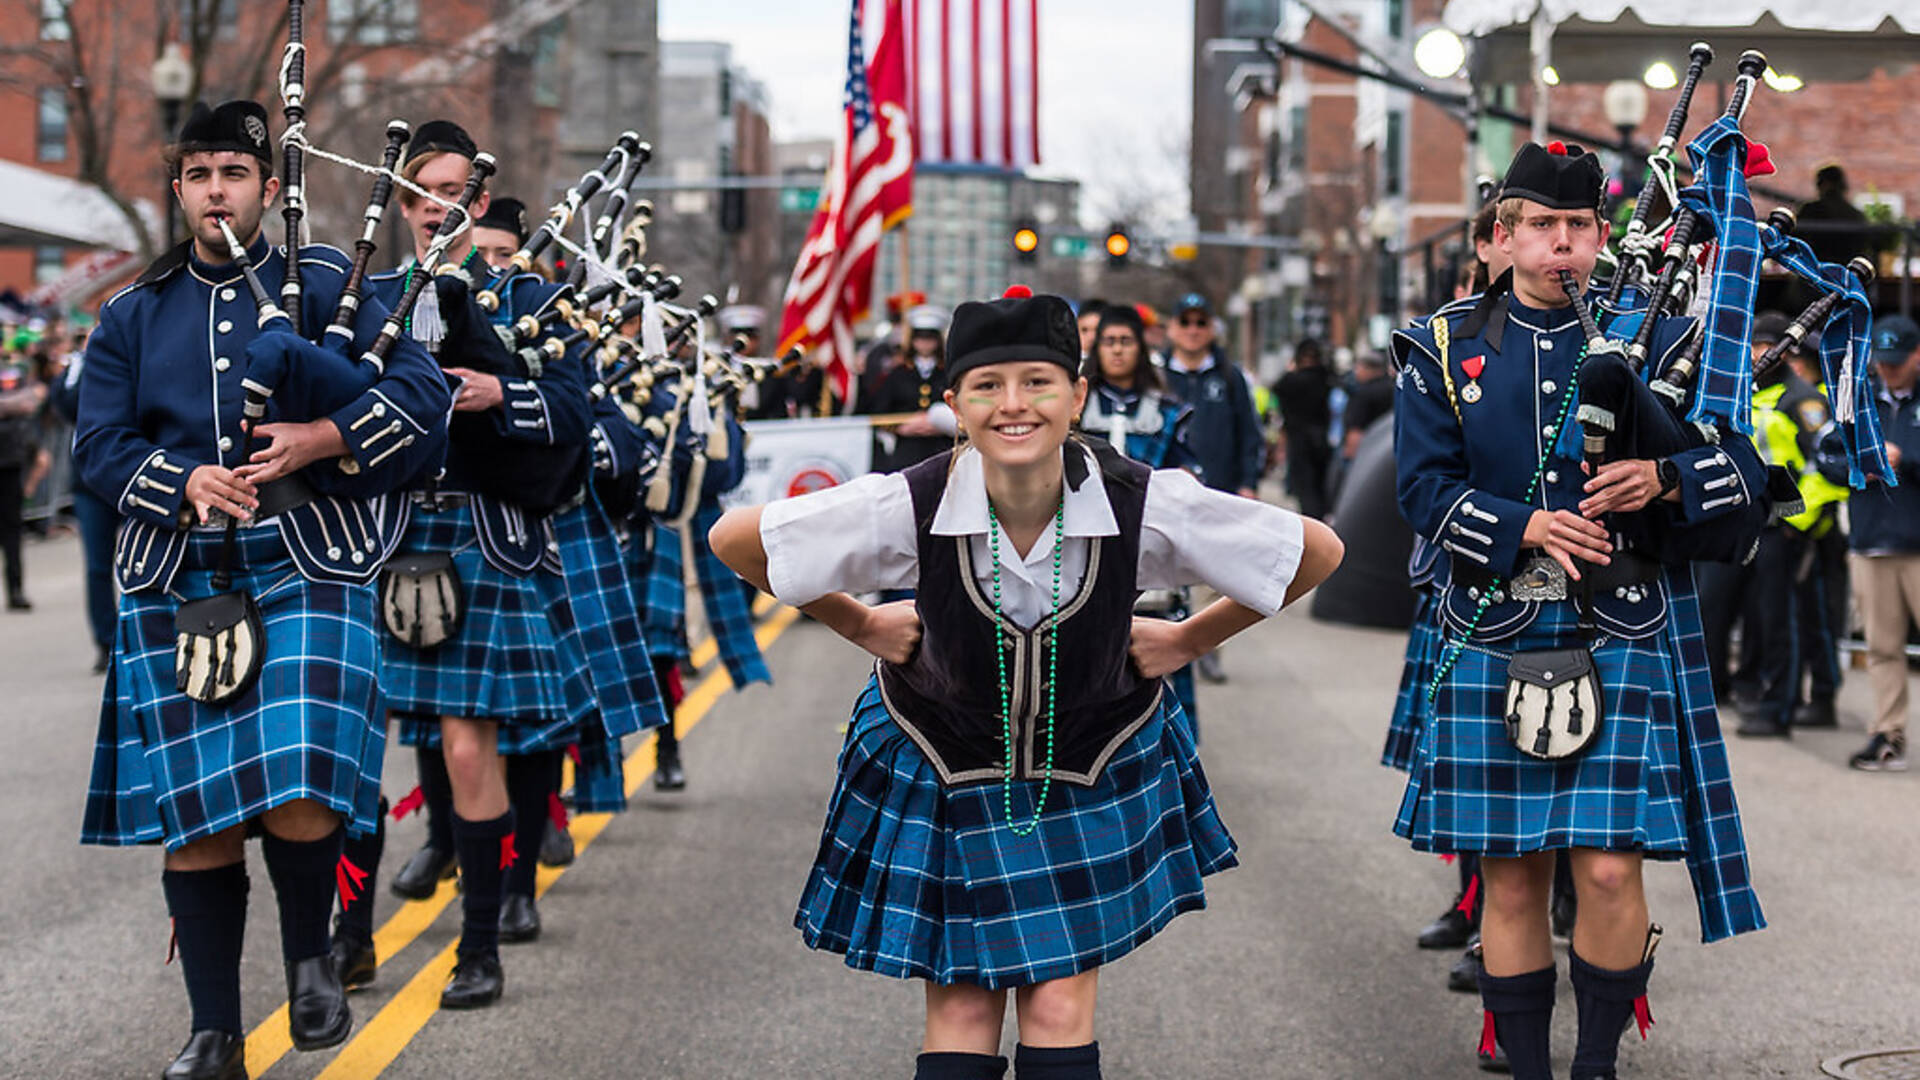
{"x": 421, "y": 602}
{"x": 1554, "y": 701}
{"x": 219, "y": 645}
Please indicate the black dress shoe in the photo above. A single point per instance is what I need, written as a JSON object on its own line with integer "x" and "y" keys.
{"x": 353, "y": 961}
{"x": 556, "y": 846}
{"x": 519, "y": 919}
{"x": 1464, "y": 976}
{"x": 477, "y": 983}
{"x": 423, "y": 873}
{"x": 317, "y": 1013}
{"x": 1815, "y": 714}
{"x": 1753, "y": 726}
{"x": 1449, "y": 931}
{"x": 19, "y": 603}
{"x": 210, "y": 1055}
{"x": 667, "y": 774}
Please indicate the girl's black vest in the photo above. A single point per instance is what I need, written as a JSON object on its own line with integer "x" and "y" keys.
{"x": 947, "y": 696}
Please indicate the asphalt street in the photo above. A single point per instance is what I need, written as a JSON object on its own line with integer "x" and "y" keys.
{"x": 669, "y": 950}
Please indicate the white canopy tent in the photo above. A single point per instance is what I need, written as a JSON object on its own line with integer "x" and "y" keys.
{"x": 39, "y": 207}
{"x": 1603, "y": 40}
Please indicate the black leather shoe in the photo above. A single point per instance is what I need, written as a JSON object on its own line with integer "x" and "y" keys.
{"x": 667, "y": 774}
{"x": 423, "y": 873}
{"x": 519, "y": 919}
{"x": 210, "y": 1055}
{"x": 1449, "y": 931}
{"x": 1755, "y": 727}
{"x": 1464, "y": 976}
{"x": 317, "y": 1013}
{"x": 477, "y": 983}
{"x": 1815, "y": 714}
{"x": 19, "y": 603}
{"x": 556, "y": 846}
{"x": 353, "y": 961}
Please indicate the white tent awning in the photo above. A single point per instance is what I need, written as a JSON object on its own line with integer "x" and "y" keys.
{"x": 38, "y": 207}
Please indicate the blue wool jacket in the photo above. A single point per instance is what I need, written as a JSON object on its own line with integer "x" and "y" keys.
{"x": 1885, "y": 519}
{"x": 1224, "y": 432}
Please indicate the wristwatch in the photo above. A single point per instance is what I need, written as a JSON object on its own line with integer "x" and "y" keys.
{"x": 1669, "y": 476}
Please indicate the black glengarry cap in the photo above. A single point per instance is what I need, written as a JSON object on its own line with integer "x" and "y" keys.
{"x": 239, "y": 125}
{"x": 441, "y": 136}
{"x": 507, "y": 214}
{"x": 1557, "y": 176}
{"x": 1018, "y": 326}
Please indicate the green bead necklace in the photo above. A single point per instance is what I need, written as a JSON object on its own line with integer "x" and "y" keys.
{"x": 1002, "y": 641}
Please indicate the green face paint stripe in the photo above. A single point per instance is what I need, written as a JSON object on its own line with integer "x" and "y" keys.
{"x": 1038, "y": 398}
{"x": 983, "y": 401}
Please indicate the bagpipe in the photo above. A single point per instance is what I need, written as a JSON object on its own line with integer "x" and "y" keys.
{"x": 1706, "y": 256}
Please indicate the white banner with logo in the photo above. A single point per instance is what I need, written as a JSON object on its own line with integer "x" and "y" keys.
{"x": 792, "y": 457}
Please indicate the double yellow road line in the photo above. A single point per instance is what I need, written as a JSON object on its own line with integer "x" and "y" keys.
{"x": 380, "y": 1039}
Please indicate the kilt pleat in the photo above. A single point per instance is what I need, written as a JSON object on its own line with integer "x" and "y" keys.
{"x": 599, "y": 777}
{"x": 1470, "y": 790}
{"x": 170, "y": 769}
{"x": 916, "y": 880}
{"x": 1423, "y": 652}
{"x": 503, "y": 662}
{"x": 597, "y": 625}
{"x": 659, "y": 578}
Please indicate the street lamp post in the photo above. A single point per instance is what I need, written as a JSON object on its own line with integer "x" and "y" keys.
{"x": 172, "y": 79}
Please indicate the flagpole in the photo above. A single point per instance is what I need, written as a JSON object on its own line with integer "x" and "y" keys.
{"x": 906, "y": 287}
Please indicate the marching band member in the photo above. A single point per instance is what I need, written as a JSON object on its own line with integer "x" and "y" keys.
{"x": 294, "y": 751}
{"x": 960, "y": 846}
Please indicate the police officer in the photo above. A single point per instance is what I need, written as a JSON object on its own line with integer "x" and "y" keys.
{"x": 296, "y": 753}
{"x": 1564, "y": 587}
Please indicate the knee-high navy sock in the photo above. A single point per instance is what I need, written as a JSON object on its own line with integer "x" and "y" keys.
{"x": 482, "y": 847}
{"x": 530, "y": 779}
{"x": 209, "y": 909}
{"x": 1056, "y": 1062}
{"x": 303, "y": 877}
{"x": 437, "y": 790}
{"x": 949, "y": 1065}
{"x": 1522, "y": 1010}
{"x": 1606, "y": 1000}
{"x": 363, "y": 852}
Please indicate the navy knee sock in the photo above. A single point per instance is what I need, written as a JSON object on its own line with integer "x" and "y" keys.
{"x": 356, "y": 910}
{"x": 1522, "y": 1010}
{"x": 1056, "y": 1062}
{"x": 948, "y": 1065}
{"x": 478, "y": 844}
{"x": 531, "y": 778}
{"x": 437, "y": 791}
{"x": 303, "y": 875}
{"x": 209, "y": 909}
{"x": 1606, "y": 1001}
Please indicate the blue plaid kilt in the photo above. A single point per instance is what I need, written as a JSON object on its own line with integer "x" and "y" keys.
{"x": 1470, "y": 790}
{"x": 599, "y": 777}
{"x": 609, "y": 682}
{"x": 169, "y": 769}
{"x": 916, "y": 880}
{"x": 502, "y": 664}
{"x": 658, "y": 574}
{"x": 1423, "y": 652}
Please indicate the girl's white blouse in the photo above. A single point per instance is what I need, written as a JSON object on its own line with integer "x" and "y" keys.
{"x": 860, "y": 537}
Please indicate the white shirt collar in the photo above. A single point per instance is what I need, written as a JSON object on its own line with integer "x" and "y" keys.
{"x": 963, "y": 508}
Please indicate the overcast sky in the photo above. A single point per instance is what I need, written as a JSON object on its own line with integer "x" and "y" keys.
{"x": 1114, "y": 81}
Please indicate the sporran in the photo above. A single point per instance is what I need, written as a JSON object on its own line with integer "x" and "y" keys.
{"x": 421, "y": 601}
{"x": 1554, "y": 702}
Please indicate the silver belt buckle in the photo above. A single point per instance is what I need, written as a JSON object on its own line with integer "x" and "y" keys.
{"x": 1540, "y": 579}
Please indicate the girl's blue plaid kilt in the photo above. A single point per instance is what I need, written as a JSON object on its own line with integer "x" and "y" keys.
{"x": 502, "y": 664}
{"x": 917, "y": 880}
{"x": 1423, "y": 653}
{"x": 1470, "y": 790}
{"x": 609, "y": 681}
{"x": 167, "y": 769}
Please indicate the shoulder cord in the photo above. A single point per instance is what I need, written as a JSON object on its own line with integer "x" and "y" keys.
{"x": 1452, "y": 655}
{"x": 1440, "y": 339}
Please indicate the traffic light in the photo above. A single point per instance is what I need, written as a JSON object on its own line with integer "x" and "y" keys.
{"x": 1119, "y": 246}
{"x": 1026, "y": 242}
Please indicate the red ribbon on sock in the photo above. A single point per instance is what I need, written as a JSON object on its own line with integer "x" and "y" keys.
{"x": 348, "y": 880}
{"x": 508, "y": 856}
{"x": 173, "y": 940}
{"x": 573, "y": 751}
{"x": 1489, "y": 1046}
{"x": 556, "y": 810}
{"x": 1642, "y": 1015}
{"x": 415, "y": 800}
{"x": 1472, "y": 894}
{"x": 1447, "y": 857}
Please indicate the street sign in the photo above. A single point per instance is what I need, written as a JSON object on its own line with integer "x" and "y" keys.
{"x": 1069, "y": 247}
{"x": 796, "y": 200}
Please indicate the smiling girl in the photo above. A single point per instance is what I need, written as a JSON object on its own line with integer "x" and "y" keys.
{"x": 1018, "y": 802}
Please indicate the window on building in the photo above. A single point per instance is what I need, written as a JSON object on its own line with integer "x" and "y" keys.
{"x": 726, "y": 93}
{"x": 372, "y": 22}
{"x": 1393, "y": 172}
{"x": 53, "y": 124}
{"x": 1297, "y": 139}
{"x": 1397, "y": 18}
{"x": 53, "y": 21}
{"x": 49, "y": 262}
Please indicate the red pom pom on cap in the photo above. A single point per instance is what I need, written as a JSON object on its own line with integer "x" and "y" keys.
{"x": 1759, "y": 161}
{"x": 1557, "y": 148}
{"x": 1016, "y": 292}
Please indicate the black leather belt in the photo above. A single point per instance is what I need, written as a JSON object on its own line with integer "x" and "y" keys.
{"x": 1537, "y": 576}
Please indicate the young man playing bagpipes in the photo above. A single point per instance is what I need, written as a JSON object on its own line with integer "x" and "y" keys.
{"x": 1567, "y": 710}
{"x": 242, "y": 697}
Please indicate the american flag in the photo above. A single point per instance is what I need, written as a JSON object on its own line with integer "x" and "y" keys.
{"x": 975, "y": 76}
{"x": 869, "y": 189}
